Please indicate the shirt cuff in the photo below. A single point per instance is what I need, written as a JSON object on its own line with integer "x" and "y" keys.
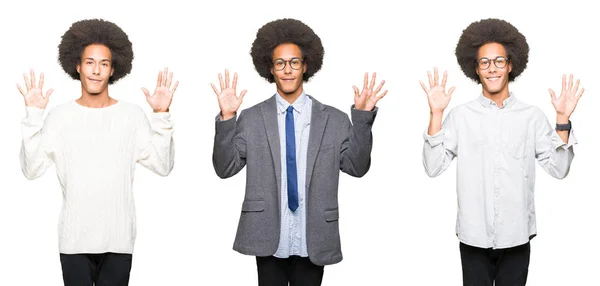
{"x": 161, "y": 120}
{"x": 570, "y": 142}
{"x": 434, "y": 139}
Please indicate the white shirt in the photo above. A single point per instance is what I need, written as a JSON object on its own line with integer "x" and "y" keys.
{"x": 95, "y": 151}
{"x": 496, "y": 150}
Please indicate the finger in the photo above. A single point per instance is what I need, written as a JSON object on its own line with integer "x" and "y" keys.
{"x": 373, "y": 81}
{"x": 164, "y": 76}
{"x": 32, "y": 78}
{"x": 242, "y": 95}
{"x": 564, "y": 82}
{"x": 366, "y": 81}
{"x": 381, "y": 95}
{"x": 214, "y": 88}
{"x": 170, "y": 79}
{"x": 379, "y": 87}
{"x": 450, "y": 91}
{"x": 41, "y": 83}
{"x": 424, "y": 87}
{"x": 159, "y": 79}
{"x": 355, "y": 90}
{"x": 580, "y": 93}
{"x": 27, "y": 82}
{"x": 431, "y": 84}
{"x": 174, "y": 88}
{"x": 146, "y": 92}
{"x": 234, "y": 83}
{"x": 226, "y": 79}
{"x": 48, "y": 93}
{"x": 435, "y": 76}
{"x": 552, "y": 94}
{"x": 221, "y": 82}
{"x": 576, "y": 87}
{"x": 20, "y": 90}
{"x": 570, "y": 82}
{"x": 444, "y": 79}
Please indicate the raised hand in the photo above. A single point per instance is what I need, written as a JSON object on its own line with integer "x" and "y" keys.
{"x": 33, "y": 94}
{"x": 566, "y": 103}
{"x": 368, "y": 98}
{"x": 436, "y": 93}
{"x": 229, "y": 102}
{"x": 163, "y": 94}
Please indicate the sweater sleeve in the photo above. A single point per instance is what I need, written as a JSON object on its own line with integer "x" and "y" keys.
{"x": 39, "y": 143}
{"x": 154, "y": 143}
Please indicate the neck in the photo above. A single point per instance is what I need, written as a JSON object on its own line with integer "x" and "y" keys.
{"x": 498, "y": 97}
{"x": 96, "y": 101}
{"x": 290, "y": 97}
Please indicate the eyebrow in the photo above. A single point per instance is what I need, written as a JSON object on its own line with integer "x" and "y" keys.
{"x": 292, "y": 58}
{"x": 102, "y": 60}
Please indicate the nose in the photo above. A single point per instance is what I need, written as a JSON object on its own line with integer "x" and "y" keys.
{"x": 287, "y": 69}
{"x": 96, "y": 69}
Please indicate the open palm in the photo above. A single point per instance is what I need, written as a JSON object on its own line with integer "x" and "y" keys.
{"x": 229, "y": 102}
{"x": 567, "y": 101}
{"x": 33, "y": 94}
{"x": 436, "y": 93}
{"x": 368, "y": 97}
{"x": 161, "y": 100}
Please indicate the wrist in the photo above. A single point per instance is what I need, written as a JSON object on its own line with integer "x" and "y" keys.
{"x": 436, "y": 113}
{"x": 227, "y": 115}
{"x": 562, "y": 119}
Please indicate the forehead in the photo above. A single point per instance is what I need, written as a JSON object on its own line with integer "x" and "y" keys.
{"x": 491, "y": 50}
{"x": 287, "y": 51}
{"x": 97, "y": 51}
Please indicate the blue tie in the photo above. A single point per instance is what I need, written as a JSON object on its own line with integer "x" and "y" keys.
{"x": 290, "y": 156}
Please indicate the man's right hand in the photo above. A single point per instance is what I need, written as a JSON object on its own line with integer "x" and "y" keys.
{"x": 33, "y": 95}
{"x": 229, "y": 102}
{"x": 436, "y": 93}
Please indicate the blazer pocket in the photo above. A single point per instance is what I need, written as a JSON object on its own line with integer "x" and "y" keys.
{"x": 332, "y": 215}
{"x": 253, "y": 206}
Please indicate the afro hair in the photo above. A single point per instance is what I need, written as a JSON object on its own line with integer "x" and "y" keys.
{"x": 486, "y": 31}
{"x": 95, "y": 31}
{"x": 286, "y": 31}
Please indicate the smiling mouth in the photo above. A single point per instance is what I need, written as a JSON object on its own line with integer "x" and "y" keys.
{"x": 493, "y": 78}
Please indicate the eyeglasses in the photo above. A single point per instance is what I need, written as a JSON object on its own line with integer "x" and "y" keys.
{"x": 295, "y": 63}
{"x": 499, "y": 62}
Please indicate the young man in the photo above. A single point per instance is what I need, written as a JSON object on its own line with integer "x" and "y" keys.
{"x": 95, "y": 142}
{"x": 293, "y": 147}
{"x": 496, "y": 139}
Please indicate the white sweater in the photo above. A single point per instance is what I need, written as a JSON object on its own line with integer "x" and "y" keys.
{"x": 95, "y": 151}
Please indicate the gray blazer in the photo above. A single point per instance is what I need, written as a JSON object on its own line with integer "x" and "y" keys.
{"x": 334, "y": 144}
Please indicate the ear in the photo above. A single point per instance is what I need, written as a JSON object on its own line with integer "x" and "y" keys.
{"x": 271, "y": 70}
{"x": 476, "y": 70}
{"x": 112, "y": 71}
{"x": 78, "y": 67}
{"x": 304, "y": 68}
{"x": 510, "y": 66}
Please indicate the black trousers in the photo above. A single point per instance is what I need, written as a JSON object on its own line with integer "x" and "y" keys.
{"x": 103, "y": 269}
{"x": 505, "y": 267}
{"x": 298, "y": 271}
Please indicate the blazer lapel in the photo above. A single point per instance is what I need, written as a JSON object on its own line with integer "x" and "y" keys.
{"x": 269, "y": 112}
{"x": 318, "y": 121}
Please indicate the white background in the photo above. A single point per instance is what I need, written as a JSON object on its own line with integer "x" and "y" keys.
{"x": 397, "y": 224}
